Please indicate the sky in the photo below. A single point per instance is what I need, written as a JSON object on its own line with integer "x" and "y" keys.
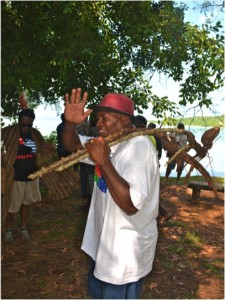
{"x": 163, "y": 86}
{"x": 47, "y": 118}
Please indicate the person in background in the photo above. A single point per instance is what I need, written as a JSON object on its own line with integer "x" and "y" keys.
{"x": 181, "y": 140}
{"x": 158, "y": 142}
{"x": 141, "y": 122}
{"x": 121, "y": 230}
{"x": 21, "y": 143}
{"x": 60, "y": 150}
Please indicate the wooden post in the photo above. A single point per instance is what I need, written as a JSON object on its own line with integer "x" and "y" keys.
{"x": 195, "y": 194}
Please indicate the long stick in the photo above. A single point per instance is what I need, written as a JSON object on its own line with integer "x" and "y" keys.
{"x": 80, "y": 154}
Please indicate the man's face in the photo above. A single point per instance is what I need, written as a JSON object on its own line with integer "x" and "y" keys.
{"x": 110, "y": 123}
{"x": 25, "y": 124}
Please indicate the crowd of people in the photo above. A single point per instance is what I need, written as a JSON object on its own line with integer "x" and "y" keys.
{"x": 121, "y": 183}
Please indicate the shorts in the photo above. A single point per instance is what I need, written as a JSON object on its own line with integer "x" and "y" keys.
{"x": 171, "y": 166}
{"x": 24, "y": 192}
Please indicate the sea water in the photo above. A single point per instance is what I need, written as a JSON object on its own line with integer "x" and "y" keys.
{"x": 214, "y": 162}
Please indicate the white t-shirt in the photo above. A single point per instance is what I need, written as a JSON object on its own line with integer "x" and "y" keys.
{"x": 123, "y": 246}
{"x": 181, "y": 139}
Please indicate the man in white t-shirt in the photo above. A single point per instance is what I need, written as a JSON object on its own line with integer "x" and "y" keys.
{"x": 121, "y": 230}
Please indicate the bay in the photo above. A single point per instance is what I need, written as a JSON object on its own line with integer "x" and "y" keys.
{"x": 214, "y": 162}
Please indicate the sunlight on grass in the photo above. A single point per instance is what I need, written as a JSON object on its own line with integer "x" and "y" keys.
{"x": 216, "y": 266}
{"x": 193, "y": 239}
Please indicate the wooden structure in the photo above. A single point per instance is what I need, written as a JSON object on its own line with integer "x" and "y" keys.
{"x": 197, "y": 186}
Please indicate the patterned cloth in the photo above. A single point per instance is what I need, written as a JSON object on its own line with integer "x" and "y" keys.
{"x": 60, "y": 184}
{"x": 99, "y": 179}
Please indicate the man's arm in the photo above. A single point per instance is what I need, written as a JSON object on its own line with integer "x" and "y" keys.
{"x": 119, "y": 188}
{"x": 99, "y": 152}
{"x": 70, "y": 138}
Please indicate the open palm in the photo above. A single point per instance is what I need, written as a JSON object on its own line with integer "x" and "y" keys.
{"x": 74, "y": 107}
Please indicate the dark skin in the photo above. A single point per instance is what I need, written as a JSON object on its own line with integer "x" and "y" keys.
{"x": 99, "y": 151}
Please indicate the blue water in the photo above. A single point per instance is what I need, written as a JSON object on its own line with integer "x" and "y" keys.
{"x": 214, "y": 162}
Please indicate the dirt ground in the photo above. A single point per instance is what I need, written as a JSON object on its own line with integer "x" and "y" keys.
{"x": 188, "y": 264}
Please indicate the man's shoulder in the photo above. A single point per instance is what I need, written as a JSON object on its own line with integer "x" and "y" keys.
{"x": 60, "y": 126}
{"x": 140, "y": 141}
{"x": 9, "y": 128}
{"x": 36, "y": 131}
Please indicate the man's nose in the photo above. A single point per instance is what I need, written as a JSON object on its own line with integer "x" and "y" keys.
{"x": 99, "y": 122}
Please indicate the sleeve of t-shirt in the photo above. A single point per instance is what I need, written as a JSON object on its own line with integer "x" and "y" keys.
{"x": 140, "y": 169}
{"x": 84, "y": 140}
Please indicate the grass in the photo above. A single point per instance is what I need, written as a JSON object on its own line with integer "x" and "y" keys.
{"x": 176, "y": 249}
{"x": 216, "y": 267}
{"x": 188, "y": 296}
{"x": 206, "y": 121}
{"x": 172, "y": 180}
{"x": 168, "y": 264}
{"x": 200, "y": 121}
{"x": 193, "y": 239}
{"x": 176, "y": 223}
{"x": 41, "y": 284}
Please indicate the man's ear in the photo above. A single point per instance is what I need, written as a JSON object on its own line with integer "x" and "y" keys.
{"x": 126, "y": 119}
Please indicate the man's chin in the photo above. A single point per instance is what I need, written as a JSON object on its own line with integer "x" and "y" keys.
{"x": 103, "y": 133}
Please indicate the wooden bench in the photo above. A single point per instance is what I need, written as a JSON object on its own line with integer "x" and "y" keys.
{"x": 197, "y": 186}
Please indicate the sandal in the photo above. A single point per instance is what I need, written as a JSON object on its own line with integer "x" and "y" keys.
{"x": 8, "y": 236}
{"x": 25, "y": 234}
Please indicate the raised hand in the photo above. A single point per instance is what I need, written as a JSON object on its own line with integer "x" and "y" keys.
{"x": 23, "y": 101}
{"x": 74, "y": 107}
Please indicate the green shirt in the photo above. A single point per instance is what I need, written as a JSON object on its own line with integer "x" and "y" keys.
{"x": 152, "y": 139}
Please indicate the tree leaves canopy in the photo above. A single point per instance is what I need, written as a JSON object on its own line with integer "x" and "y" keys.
{"x": 50, "y": 47}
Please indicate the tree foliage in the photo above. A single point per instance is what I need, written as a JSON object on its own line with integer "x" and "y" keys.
{"x": 212, "y": 8}
{"x": 49, "y": 47}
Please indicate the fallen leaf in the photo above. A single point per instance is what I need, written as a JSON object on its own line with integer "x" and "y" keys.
{"x": 160, "y": 272}
{"x": 64, "y": 250}
{"x": 153, "y": 285}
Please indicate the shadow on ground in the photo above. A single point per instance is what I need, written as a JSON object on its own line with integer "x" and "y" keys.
{"x": 188, "y": 263}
